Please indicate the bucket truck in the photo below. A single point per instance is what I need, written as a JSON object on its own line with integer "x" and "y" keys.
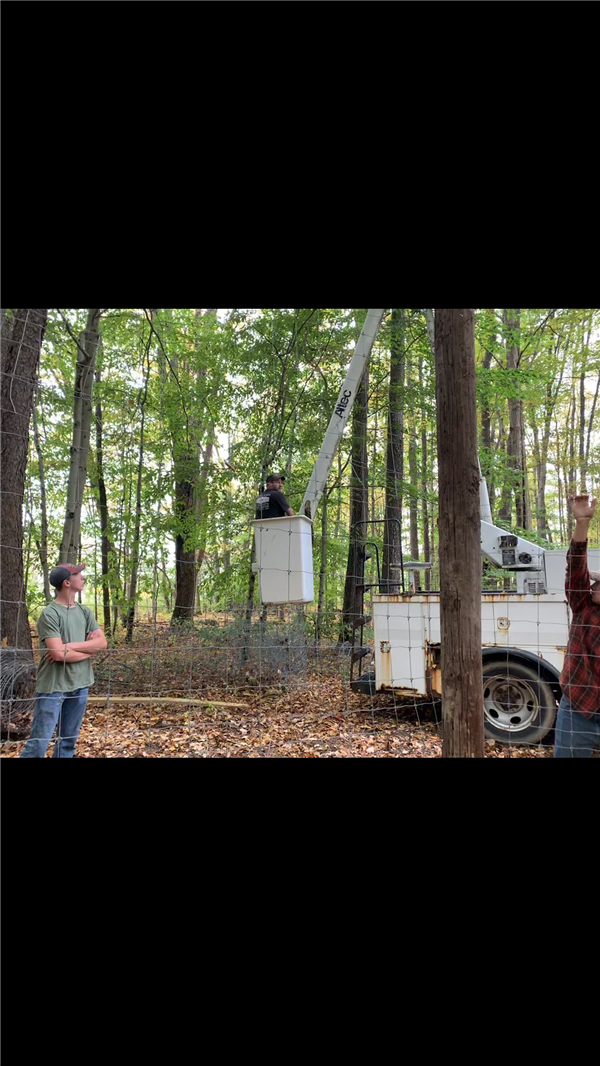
{"x": 524, "y": 633}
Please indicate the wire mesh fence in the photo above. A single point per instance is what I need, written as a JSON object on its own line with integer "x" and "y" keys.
{"x": 287, "y": 681}
{"x": 229, "y": 685}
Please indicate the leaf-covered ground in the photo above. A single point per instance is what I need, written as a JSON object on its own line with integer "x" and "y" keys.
{"x": 318, "y": 719}
{"x": 297, "y": 703}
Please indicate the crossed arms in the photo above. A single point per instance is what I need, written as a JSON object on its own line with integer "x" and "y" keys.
{"x": 75, "y": 652}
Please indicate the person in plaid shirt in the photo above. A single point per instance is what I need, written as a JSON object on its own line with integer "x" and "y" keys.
{"x": 578, "y": 722}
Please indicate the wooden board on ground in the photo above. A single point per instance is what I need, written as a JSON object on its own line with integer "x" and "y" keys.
{"x": 163, "y": 699}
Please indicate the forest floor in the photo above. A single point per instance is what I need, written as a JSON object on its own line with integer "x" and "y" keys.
{"x": 283, "y": 704}
{"x": 321, "y": 721}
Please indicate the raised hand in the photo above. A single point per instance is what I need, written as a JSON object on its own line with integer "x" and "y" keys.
{"x": 582, "y": 507}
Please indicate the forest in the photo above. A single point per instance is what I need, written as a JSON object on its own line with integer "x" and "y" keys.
{"x": 136, "y": 441}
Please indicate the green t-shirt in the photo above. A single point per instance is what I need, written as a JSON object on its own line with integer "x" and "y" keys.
{"x": 71, "y": 624}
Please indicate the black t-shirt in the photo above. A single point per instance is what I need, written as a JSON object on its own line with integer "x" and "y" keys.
{"x": 271, "y": 504}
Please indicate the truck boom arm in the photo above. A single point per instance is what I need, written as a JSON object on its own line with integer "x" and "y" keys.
{"x": 503, "y": 549}
{"x": 341, "y": 413}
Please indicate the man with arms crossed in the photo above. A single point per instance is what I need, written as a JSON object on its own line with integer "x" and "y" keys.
{"x": 69, "y": 638}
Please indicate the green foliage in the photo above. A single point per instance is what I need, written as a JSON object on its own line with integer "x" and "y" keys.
{"x": 233, "y": 394}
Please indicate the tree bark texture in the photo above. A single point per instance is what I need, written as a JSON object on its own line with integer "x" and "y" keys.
{"x": 107, "y": 550}
{"x": 21, "y": 343}
{"x": 516, "y": 482}
{"x": 359, "y": 509}
{"x": 323, "y": 569}
{"x": 459, "y": 530}
{"x": 190, "y": 500}
{"x": 82, "y": 417}
{"x": 392, "y": 547}
{"x": 43, "y": 546}
{"x": 135, "y": 554}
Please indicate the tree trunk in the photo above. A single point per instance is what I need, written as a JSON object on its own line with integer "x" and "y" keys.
{"x": 87, "y": 347}
{"x": 425, "y": 509}
{"x": 21, "y": 343}
{"x": 583, "y": 451}
{"x": 561, "y": 534}
{"x": 166, "y": 584}
{"x": 135, "y": 554}
{"x": 121, "y": 526}
{"x": 459, "y": 526}
{"x": 590, "y": 425}
{"x": 516, "y": 481}
{"x": 414, "y": 498}
{"x": 107, "y": 549}
{"x": 201, "y": 509}
{"x": 323, "y": 570}
{"x": 359, "y": 510}
{"x": 428, "y": 449}
{"x": 249, "y": 605}
{"x": 156, "y": 542}
{"x": 582, "y": 463}
{"x": 541, "y": 450}
{"x": 228, "y": 511}
{"x": 392, "y": 546}
{"x": 572, "y": 464}
{"x": 540, "y": 490}
{"x": 189, "y": 500}
{"x": 43, "y": 508}
{"x": 185, "y": 551}
{"x": 525, "y": 482}
{"x": 486, "y": 431}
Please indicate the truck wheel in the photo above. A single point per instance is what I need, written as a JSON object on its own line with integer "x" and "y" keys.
{"x": 365, "y": 684}
{"x": 519, "y": 707}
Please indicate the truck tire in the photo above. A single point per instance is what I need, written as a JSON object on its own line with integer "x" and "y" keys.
{"x": 519, "y": 706}
{"x": 365, "y": 684}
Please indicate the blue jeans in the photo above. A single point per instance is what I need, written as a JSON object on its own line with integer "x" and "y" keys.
{"x": 575, "y": 736}
{"x": 51, "y": 708}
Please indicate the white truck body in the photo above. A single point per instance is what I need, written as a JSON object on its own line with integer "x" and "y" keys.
{"x": 524, "y": 633}
{"x": 407, "y": 629}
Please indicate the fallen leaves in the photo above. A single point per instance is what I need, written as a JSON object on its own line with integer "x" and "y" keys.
{"x": 314, "y": 718}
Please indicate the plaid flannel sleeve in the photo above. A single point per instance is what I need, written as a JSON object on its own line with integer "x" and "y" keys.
{"x": 577, "y": 578}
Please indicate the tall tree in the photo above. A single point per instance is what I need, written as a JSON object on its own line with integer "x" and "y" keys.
{"x": 584, "y": 441}
{"x": 459, "y": 529}
{"x": 553, "y": 373}
{"x": 87, "y": 346}
{"x": 43, "y": 543}
{"x": 107, "y": 549}
{"x": 488, "y": 328}
{"x": 192, "y": 453}
{"x": 135, "y": 551}
{"x": 359, "y": 509}
{"x": 516, "y": 482}
{"x": 424, "y": 486}
{"x": 392, "y": 546}
{"x": 20, "y": 353}
{"x": 415, "y": 488}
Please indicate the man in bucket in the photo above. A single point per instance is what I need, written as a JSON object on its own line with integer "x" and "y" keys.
{"x": 69, "y": 638}
{"x": 272, "y": 503}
